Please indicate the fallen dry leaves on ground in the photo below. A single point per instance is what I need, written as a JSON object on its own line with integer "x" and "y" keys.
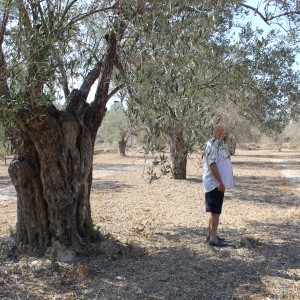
{"x": 156, "y": 236}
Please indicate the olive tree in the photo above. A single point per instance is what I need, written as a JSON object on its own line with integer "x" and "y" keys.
{"x": 47, "y": 48}
{"x": 178, "y": 65}
{"x": 188, "y": 62}
{"x": 116, "y": 127}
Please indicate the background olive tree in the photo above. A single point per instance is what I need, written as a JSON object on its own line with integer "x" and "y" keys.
{"x": 115, "y": 127}
{"x": 190, "y": 61}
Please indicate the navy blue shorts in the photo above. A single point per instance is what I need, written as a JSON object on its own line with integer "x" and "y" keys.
{"x": 214, "y": 201}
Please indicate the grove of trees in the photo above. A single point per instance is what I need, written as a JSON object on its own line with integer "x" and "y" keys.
{"x": 180, "y": 62}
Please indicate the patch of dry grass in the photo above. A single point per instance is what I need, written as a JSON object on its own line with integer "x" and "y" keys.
{"x": 156, "y": 247}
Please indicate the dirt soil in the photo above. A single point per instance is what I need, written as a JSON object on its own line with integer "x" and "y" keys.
{"x": 156, "y": 247}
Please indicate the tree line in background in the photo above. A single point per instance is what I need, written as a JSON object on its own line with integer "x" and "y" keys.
{"x": 116, "y": 130}
{"x": 181, "y": 66}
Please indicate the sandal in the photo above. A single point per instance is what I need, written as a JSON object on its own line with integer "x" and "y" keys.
{"x": 219, "y": 238}
{"x": 219, "y": 244}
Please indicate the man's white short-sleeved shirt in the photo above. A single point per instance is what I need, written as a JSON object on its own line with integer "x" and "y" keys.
{"x": 217, "y": 152}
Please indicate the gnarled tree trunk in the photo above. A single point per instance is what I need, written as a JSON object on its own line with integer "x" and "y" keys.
{"x": 52, "y": 171}
{"x": 179, "y": 155}
{"x": 52, "y": 174}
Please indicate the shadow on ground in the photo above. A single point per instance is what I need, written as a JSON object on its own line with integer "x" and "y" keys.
{"x": 109, "y": 186}
{"x": 275, "y": 165}
{"x": 193, "y": 271}
{"x": 268, "y": 192}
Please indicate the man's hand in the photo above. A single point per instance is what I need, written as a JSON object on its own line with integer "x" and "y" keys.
{"x": 221, "y": 187}
{"x": 214, "y": 169}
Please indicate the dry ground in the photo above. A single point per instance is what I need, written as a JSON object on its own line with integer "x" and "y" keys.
{"x": 161, "y": 228}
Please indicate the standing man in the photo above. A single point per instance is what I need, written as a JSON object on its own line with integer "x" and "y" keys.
{"x": 217, "y": 176}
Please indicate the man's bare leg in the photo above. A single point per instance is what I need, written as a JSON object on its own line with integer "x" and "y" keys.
{"x": 213, "y": 223}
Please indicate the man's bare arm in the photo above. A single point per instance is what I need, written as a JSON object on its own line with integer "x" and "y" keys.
{"x": 214, "y": 169}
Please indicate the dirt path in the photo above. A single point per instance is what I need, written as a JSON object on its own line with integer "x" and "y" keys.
{"x": 165, "y": 225}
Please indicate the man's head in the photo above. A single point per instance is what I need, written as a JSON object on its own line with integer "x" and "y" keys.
{"x": 219, "y": 132}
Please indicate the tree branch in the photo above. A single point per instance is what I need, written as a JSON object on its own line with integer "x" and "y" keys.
{"x": 268, "y": 19}
{"x": 90, "y": 79}
{"x": 122, "y": 71}
{"x": 97, "y": 109}
{"x": 5, "y": 20}
{"x": 115, "y": 90}
{"x": 36, "y": 74}
{"x": 40, "y": 10}
{"x": 87, "y": 14}
{"x": 24, "y": 15}
{"x": 67, "y": 9}
{"x": 4, "y": 89}
{"x": 34, "y": 11}
{"x": 287, "y": 13}
{"x": 63, "y": 73}
{"x": 108, "y": 64}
